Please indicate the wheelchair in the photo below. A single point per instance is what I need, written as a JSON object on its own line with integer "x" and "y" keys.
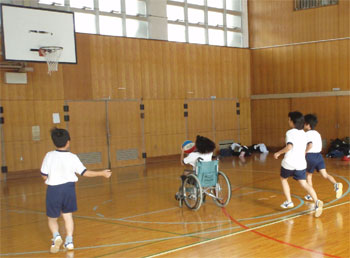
{"x": 205, "y": 180}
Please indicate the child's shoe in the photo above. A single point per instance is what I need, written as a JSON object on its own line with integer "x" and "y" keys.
{"x": 318, "y": 208}
{"x": 69, "y": 246}
{"x": 56, "y": 243}
{"x": 338, "y": 188}
{"x": 308, "y": 197}
{"x": 287, "y": 204}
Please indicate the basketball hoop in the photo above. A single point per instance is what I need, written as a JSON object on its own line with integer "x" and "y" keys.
{"x": 52, "y": 56}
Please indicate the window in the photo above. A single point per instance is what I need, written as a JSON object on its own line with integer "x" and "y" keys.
{"x": 302, "y": 4}
{"x": 175, "y": 13}
{"x": 136, "y": 28}
{"x": 109, "y": 6}
{"x": 215, "y": 18}
{"x": 215, "y": 3}
{"x": 233, "y": 21}
{"x": 111, "y": 26}
{"x": 176, "y": 33}
{"x": 216, "y": 37}
{"x": 50, "y": 2}
{"x": 85, "y": 22}
{"x": 89, "y": 4}
{"x": 234, "y": 39}
{"x": 135, "y": 7}
{"x": 196, "y": 35}
{"x": 234, "y": 5}
{"x": 213, "y": 22}
{"x": 197, "y": 2}
{"x": 195, "y": 15}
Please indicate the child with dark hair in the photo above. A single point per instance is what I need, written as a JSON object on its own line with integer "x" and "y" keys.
{"x": 314, "y": 157}
{"x": 204, "y": 152}
{"x": 294, "y": 163}
{"x": 59, "y": 169}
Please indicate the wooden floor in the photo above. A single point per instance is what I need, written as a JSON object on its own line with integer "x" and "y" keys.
{"x": 134, "y": 214}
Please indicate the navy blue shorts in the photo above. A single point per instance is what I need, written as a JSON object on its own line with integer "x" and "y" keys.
{"x": 314, "y": 161}
{"x": 297, "y": 174}
{"x": 60, "y": 198}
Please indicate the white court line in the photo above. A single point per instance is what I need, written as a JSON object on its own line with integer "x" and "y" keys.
{"x": 237, "y": 233}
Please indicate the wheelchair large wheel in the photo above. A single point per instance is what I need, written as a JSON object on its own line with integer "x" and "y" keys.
{"x": 222, "y": 190}
{"x": 192, "y": 191}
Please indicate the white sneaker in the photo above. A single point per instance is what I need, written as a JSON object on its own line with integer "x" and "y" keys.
{"x": 318, "y": 208}
{"x": 287, "y": 205}
{"x": 69, "y": 246}
{"x": 308, "y": 197}
{"x": 338, "y": 188}
{"x": 56, "y": 243}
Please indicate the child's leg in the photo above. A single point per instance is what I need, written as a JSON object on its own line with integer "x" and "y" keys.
{"x": 308, "y": 188}
{"x": 53, "y": 225}
{"x": 69, "y": 223}
{"x": 325, "y": 175}
{"x": 57, "y": 240}
{"x": 338, "y": 187}
{"x": 286, "y": 189}
{"x": 309, "y": 178}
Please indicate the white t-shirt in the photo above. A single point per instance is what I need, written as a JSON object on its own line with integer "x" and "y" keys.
{"x": 60, "y": 167}
{"x": 295, "y": 158}
{"x": 315, "y": 138}
{"x": 193, "y": 157}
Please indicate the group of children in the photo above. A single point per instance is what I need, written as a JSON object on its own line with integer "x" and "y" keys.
{"x": 59, "y": 169}
{"x": 302, "y": 157}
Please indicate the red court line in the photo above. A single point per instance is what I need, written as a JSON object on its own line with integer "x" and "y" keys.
{"x": 275, "y": 239}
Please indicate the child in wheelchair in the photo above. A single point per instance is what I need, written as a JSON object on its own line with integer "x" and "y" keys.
{"x": 204, "y": 152}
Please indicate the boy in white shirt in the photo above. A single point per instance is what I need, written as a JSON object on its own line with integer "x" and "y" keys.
{"x": 314, "y": 157}
{"x": 294, "y": 163}
{"x": 58, "y": 170}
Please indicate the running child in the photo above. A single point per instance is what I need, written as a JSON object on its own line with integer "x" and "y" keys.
{"x": 59, "y": 170}
{"x": 314, "y": 157}
{"x": 294, "y": 162}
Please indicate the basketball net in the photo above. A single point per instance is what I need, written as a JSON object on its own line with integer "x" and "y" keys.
{"x": 52, "y": 56}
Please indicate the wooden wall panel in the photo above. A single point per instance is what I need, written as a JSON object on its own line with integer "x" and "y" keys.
{"x": 344, "y": 18}
{"x": 344, "y": 64}
{"x": 19, "y": 119}
{"x": 225, "y": 116}
{"x": 45, "y": 86}
{"x": 125, "y": 130}
{"x": 43, "y": 112}
{"x": 164, "y": 125}
{"x": 15, "y": 91}
{"x": 87, "y": 128}
{"x": 312, "y": 67}
{"x": 129, "y": 70}
{"x": 327, "y": 118}
{"x": 245, "y": 125}
{"x": 200, "y": 116}
{"x": 21, "y": 150}
{"x": 275, "y": 22}
{"x": 343, "y": 111}
{"x": 77, "y": 77}
{"x": 270, "y": 121}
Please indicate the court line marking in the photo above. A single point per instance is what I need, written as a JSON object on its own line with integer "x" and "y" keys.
{"x": 237, "y": 233}
{"x": 275, "y": 239}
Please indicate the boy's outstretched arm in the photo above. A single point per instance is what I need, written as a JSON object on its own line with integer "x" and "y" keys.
{"x": 105, "y": 173}
{"x": 282, "y": 151}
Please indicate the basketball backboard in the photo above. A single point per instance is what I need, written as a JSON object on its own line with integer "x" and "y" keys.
{"x": 25, "y": 29}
